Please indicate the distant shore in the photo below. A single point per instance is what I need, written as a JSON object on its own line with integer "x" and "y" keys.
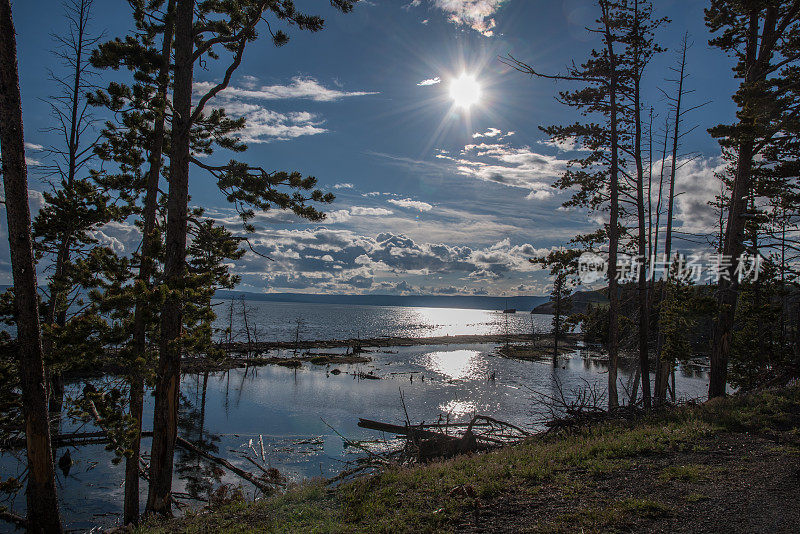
{"x": 389, "y": 341}
{"x": 243, "y": 354}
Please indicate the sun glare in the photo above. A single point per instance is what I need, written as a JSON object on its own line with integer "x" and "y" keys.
{"x": 465, "y": 91}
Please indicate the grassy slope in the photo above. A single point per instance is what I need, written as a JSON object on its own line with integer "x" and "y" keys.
{"x": 576, "y": 481}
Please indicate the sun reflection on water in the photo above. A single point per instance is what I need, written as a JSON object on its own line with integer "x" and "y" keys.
{"x": 457, "y": 364}
{"x": 458, "y": 408}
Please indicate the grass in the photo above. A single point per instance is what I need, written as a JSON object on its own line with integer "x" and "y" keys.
{"x": 611, "y": 517}
{"x": 435, "y": 497}
{"x": 688, "y": 473}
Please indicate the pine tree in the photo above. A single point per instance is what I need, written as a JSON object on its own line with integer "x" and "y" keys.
{"x": 75, "y": 206}
{"x": 597, "y": 177}
{"x": 42, "y": 501}
{"x": 152, "y": 90}
{"x": 763, "y": 36}
{"x": 230, "y": 26}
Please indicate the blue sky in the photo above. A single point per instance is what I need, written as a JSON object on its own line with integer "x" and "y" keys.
{"x": 430, "y": 198}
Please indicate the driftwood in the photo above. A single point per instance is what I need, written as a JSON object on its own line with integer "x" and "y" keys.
{"x": 435, "y": 441}
{"x": 266, "y": 487}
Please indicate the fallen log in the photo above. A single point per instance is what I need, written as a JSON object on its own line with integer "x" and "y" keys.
{"x": 427, "y": 443}
{"x": 267, "y": 488}
{"x": 410, "y": 431}
{"x": 69, "y": 440}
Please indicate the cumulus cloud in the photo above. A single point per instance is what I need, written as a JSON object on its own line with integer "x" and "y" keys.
{"x": 265, "y": 125}
{"x": 326, "y": 259}
{"x": 475, "y": 14}
{"x": 301, "y": 87}
{"x": 491, "y": 132}
{"x": 411, "y": 204}
{"x": 430, "y": 81}
{"x": 343, "y": 186}
{"x": 697, "y": 180}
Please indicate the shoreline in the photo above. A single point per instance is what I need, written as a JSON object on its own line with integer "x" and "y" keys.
{"x": 516, "y": 346}
{"x": 657, "y": 472}
{"x": 389, "y": 341}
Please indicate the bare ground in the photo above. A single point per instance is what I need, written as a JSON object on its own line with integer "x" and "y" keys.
{"x": 726, "y": 482}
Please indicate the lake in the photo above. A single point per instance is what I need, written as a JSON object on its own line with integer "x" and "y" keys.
{"x": 278, "y": 321}
{"x": 294, "y": 412}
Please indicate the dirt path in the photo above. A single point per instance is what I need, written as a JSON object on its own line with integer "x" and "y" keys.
{"x": 729, "y": 482}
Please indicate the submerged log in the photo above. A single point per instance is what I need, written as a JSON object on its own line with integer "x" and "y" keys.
{"x": 411, "y": 431}
{"x": 266, "y": 487}
{"x": 434, "y": 440}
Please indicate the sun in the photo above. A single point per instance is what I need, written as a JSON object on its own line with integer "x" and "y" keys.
{"x": 465, "y": 91}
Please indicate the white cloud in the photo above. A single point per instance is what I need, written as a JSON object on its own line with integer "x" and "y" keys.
{"x": 565, "y": 145}
{"x": 301, "y": 87}
{"x": 510, "y": 166}
{"x": 541, "y": 194}
{"x": 411, "y": 204}
{"x": 476, "y": 14}
{"x": 696, "y": 180}
{"x": 327, "y": 260}
{"x": 265, "y": 125}
{"x": 345, "y": 215}
{"x": 369, "y": 212}
{"x": 493, "y": 132}
{"x": 430, "y": 81}
{"x": 33, "y": 146}
{"x": 343, "y": 186}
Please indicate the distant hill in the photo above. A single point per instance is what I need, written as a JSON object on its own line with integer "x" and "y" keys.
{"x": 521, "y": 303}
{"x": 580, "y": 301}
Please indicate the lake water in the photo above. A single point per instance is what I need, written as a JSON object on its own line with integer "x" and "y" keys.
{"x": 278, "y": 321}
{"x": 293, "y": 412}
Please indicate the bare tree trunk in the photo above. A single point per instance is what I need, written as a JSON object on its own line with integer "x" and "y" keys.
{"x": 247, "y": 328}
{"x": 613, "y": 227}
{"x": 664, "y": 367}
{"x": 77, "y": 45}
{"x": 644, "y": 310}
{"x": 42, "y": 501}
{"x": 165, "y": 416}
{"x": 131, "y": 508}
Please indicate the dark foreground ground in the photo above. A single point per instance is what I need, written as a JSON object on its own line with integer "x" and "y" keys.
{"x": 730, "y": 465}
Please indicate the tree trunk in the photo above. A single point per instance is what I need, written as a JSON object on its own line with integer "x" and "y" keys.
{"x": 644, "y": 310}
{"x": 664, "y": 367}
{"x": 727, "y": 292}
{"x": 42, "y": 502}
{"x": 729, "y": 285}
{"x": 613, "y": 229}
{"x": 131, "y": 508}
{"x": 165, "y": 416}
